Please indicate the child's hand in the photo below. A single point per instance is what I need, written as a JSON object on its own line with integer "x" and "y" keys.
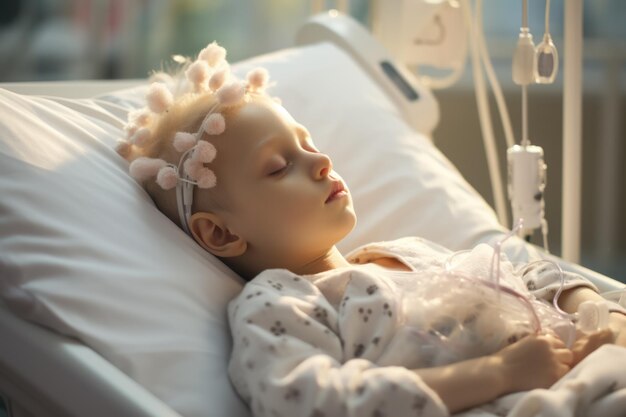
{"x": 586, "y": 344}
{"x": 616, "y": 333}
{"x": 534, "y": 362}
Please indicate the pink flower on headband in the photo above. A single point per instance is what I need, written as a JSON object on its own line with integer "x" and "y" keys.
{"x": 257, "y": 79}
{"x": 130, "y": 129}
{"x": 215, "y": 124}
{"x": 218, "y": 78}
{"x": 167, "y": 177}
{"x": 142, "y": 137}
{"x": 193, "y": 168}
{"x": 213, "y": 54}
{"x": 231, "y": 94}
{"x": 184, "y": 141}
{"x": 198, "y": 74}
{"x": 206, "y": 179}
{"x": 208, "y": 79}
{"x": 159, "y": 98}
{"x": 143, "y": 168}
{"x": 141, "y": 117}
{"x": 204, "y": 152}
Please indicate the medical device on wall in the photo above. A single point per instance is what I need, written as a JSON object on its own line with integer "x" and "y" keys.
{"x": 436, "y": 33}
{"x": 424, "y": 34}
{"x": 460, "y": 29}
{"x": 417, "y": 103}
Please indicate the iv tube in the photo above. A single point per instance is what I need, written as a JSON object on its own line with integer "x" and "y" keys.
{"x": 495, "y": 260}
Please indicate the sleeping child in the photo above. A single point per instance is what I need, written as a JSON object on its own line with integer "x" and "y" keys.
{"x": 398, "y": 328}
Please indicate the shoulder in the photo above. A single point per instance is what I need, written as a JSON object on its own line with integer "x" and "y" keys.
{"x": 406, "y": 247}
{"x": 281, "y": 281}
{"x": 274, "y": 290}
{"x": 275, "y": 283}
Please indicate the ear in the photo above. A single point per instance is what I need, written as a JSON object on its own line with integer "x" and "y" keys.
{"x": 210, "y": 231}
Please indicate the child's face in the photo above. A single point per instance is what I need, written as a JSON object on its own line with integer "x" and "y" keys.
{"x": 280, "y": 193}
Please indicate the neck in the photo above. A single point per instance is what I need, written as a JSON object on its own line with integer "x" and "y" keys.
{"x": 332, "y": 259}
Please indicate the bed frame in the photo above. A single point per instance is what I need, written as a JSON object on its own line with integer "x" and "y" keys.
{"x": 44, "y": 374}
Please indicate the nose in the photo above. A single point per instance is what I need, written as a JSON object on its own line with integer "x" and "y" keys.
{"x": 322, "y": 165}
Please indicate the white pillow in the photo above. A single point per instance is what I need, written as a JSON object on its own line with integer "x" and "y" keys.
{"x": 84, "y": 251}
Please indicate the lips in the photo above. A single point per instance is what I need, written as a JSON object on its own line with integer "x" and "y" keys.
{"x": 337, "y": 190}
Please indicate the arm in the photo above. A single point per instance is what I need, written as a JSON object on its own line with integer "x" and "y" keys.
{"x": 544, "y": 281}
{"x": 533, "y": 362}
{"x": 295, "y": 368}
{"x": 292, "y": 357}
{"x": 572, "y": 298}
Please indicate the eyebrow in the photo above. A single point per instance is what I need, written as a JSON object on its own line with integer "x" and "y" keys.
{"x": 300, "y": 131}
{"x": 261, "y": 147}
{"x": 259, "y": 155}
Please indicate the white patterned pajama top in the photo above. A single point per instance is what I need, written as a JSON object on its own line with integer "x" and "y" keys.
{"x": 344, "y": 342}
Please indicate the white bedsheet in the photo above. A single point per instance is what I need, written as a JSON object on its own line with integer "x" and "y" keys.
{"x": 596, "y": 387}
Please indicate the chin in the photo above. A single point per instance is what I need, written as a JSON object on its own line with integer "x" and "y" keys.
{"x": 347, "y": 225}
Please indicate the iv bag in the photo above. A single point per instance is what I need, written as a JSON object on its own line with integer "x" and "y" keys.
{"x": 450, "y": 317}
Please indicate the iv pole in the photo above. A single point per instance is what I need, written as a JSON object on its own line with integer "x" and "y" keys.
{"x": 572, "y": 131}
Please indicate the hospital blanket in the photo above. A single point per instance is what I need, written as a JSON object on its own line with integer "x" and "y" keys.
{"x": 594, "y": 387}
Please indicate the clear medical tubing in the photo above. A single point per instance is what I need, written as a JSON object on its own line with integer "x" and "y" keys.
{"x": 491, "y": 76}
{"x": 496, "y": 260}
{"x": 485, "y": 120}
{"x": 494, "y": 281}
{"x": 495, "y": 276}
{"x": 591, "y": 315}
{"x": 524, "y": 68}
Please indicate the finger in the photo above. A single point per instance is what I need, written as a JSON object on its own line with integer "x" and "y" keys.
{"x": 580, "y": 344}
{"x": 562, "y": 370}
{"x": 598, "y": 334}
{"x": 584, "y": 346}
{"x": 565, "y": 356}
{"x": 603, "y": 336}
{"x": 554, "y": 341}
{"x": 594, "y": 340}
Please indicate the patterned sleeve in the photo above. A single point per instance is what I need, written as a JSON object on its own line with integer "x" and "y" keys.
{"x": 288, "y": 358}
{"x": 543, "y": 280}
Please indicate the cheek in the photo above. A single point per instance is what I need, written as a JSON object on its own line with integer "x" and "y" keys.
{"x": 294, "y": 207}
{"x": 285, "y": 211}
{"x": 270, "y": 215}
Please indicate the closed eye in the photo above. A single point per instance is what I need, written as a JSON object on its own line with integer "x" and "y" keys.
{"x": 274, "y": 172}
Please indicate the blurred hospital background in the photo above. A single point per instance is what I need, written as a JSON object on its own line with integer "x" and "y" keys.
{"x": 111, "y": 39}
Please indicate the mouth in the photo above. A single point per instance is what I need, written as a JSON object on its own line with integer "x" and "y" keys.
{"x": 337, "y": 190}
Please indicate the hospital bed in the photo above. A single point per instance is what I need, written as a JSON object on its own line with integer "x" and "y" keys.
{"x": 107, "y": 309}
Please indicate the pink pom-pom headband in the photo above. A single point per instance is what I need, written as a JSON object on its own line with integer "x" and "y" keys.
{"x": 208, "y": 74}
